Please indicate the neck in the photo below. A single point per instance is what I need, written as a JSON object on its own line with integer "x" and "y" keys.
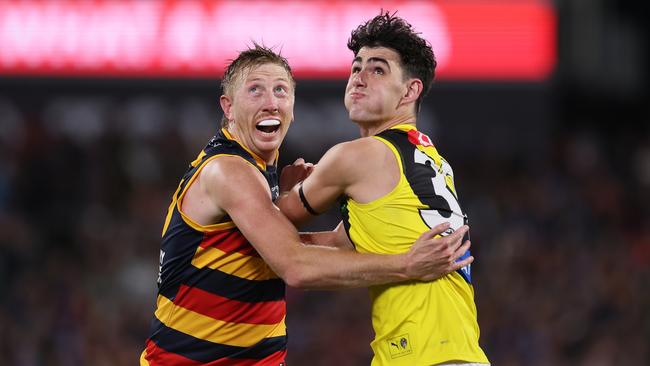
{"x": 268, "y": 159}
{"x": 373, "y": 128}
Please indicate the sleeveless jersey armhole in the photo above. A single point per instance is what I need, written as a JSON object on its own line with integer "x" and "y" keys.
{"x": 396, "y": 153}
{"x": 402, "y": 179}
{"x": 193, "y": 224}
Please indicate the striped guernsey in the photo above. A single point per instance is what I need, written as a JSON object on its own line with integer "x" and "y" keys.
{"x": 218, "y": 302}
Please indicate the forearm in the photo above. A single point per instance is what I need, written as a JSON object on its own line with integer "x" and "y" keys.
{"x": 291, "y": 206}
{"x": 313, "y": 266}
{"x": 429, "y": 258}
{"x": 317, "y": 267}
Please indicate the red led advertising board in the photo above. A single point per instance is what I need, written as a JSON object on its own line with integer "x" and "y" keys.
{"x": 472, "y": 39}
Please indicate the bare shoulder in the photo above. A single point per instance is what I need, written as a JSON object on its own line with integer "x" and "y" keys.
{"x": 359, "y": 147}
{"x": 362, "y": 150}
{"x": 227, "y": 167}
{"x": 370, "y": 168}
{"x": 230, "y": 178}
{"x": 350, "y": 165}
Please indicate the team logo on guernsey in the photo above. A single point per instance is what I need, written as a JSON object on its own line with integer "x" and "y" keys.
{"x": 213, "y": 141}
{"x": 418, "y": 138}
{"x": 399, "y": 346}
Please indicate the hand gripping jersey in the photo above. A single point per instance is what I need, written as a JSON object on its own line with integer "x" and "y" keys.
{"x": 218, "y": 301}
{"x": 416, "y": 323}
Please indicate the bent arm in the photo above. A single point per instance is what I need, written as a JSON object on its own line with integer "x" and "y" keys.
{"x": 351, "y": 168}
{"x": 337, "y": 170}
{"x": 245, "y": 197}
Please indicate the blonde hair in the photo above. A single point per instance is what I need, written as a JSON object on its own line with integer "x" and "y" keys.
{"x": 255, "y": 56}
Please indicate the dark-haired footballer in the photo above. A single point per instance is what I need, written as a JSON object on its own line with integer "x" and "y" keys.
{"x": 396, "y": 186}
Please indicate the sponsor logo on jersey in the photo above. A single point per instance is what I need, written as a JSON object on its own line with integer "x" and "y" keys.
{"x": 399, "y": 346}
{"x": 418, "y": 138}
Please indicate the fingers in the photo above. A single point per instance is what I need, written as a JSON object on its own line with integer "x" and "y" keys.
{"x": 461, "y": 250}
{"x": 294, "y": 173}
{"x": 454, "y": 244}
{"x": 459, "y": 253}
{"x": 465, "y": 262}
{"x": 455, "y": 239}
{"x": 300, "y": 162}
{"x": 436, "y": 230}
{"x": 459, "y": 234}
{"x": 299, "y": 168}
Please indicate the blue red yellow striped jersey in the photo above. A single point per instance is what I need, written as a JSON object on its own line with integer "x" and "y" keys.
{"x": 218, "y": 302}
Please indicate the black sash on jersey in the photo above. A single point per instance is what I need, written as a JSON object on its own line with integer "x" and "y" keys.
{"x": 419, "y": 177}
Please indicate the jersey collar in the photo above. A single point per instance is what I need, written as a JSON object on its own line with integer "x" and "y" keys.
{"x": 403, "y": 127}
{"x": 260, "y": 162}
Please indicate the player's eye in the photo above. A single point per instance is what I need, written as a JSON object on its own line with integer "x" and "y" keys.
{"x": 378, "y": 71}
{"x": 254, "y": 89}
{"x": 356, "y": 69}
{"x": 280, "y": 89}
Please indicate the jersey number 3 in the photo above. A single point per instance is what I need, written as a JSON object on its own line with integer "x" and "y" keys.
{"x": 443, "y": 203}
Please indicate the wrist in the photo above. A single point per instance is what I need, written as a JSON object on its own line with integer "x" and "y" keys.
{"x": 404, "y": 269}
{"x": 282, "y": 195}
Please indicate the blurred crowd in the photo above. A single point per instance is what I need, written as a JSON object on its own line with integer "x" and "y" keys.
{"x": 562, "y": 238}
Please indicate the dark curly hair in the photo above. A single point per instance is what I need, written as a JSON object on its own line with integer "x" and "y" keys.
{"x": 252, "y": 57}
{"x": 390, "y": 31}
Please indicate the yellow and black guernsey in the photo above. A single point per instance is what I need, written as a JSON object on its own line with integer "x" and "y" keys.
{"x": 218, "y": 302}
{"x": 416, "y": 323}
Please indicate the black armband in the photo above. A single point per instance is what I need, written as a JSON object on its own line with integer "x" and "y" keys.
{"x": 305, "y": 203}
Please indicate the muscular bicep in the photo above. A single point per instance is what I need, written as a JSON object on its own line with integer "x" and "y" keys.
{"x": 332, "y": 176}
{"x": 244, "y": 195}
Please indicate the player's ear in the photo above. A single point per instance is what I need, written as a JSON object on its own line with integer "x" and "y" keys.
{"x": 226, "y": 106}
{"x": 413, "y": 90}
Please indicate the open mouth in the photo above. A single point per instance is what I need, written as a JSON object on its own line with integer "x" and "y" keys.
{"x": 268, "y": 125}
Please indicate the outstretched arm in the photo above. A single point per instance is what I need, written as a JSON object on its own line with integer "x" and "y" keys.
{"x": 441, "y": 253}
{"x": 244, "y": 196}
